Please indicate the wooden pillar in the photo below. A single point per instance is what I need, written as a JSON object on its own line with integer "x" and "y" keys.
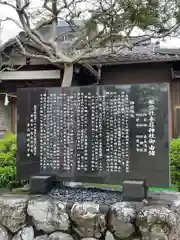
{"x": 13, "y": 115}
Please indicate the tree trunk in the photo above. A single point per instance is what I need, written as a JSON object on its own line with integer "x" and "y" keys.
{"x": 66, "y": 82}
{"x": 68, "y": 75}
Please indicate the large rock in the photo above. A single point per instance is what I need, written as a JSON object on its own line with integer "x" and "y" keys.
{"x": 60, "y": 236}
{"x": 109, "y": 236}
{"x": 4, "y": 234}
{"x": 89, "y": 239}
{"x": 122, "y": 219}
{"x": 13, "y": 212}
{"x": 26, "y": 233}
{"x": 87, "y": 219}
{"x": 157, "y": 222}
{"x": 175, "y": 207}
{"x": 48, "y": 215}
{"x": 43, "y": 237}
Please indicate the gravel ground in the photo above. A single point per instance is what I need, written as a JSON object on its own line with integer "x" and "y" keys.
{"x": 96, "y": 195}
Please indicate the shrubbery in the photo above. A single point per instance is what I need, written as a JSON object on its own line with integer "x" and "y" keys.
{"x": 175, "y": 162}
{"x": 8, "y": 150}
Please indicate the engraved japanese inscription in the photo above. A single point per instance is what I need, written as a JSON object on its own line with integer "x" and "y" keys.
{"x": 100, "y": 134}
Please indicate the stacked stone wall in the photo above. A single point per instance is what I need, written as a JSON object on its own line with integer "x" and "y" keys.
{"x": 41, "y": 218}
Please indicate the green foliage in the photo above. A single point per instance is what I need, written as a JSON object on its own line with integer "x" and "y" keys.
{"x": 175, "y": 162}
{"x": 8, "y": 149}
{"x": 143, "y": 14}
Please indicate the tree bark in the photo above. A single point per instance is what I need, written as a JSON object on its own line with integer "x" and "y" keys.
{"x": 68, "y": 75}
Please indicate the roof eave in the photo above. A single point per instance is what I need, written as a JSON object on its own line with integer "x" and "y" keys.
{"x": 116, "y": 62}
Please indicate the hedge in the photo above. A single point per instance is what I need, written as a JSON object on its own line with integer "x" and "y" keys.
{"x": 175, "y": 162}
{"x": 8, "y": 150}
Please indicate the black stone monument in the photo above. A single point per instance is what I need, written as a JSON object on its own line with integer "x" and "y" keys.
{"x": 98, "y": 134}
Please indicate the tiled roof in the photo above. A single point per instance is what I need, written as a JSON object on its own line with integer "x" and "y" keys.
{"x": 151, "y": 53}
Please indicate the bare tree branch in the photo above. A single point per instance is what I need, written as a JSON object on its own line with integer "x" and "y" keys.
{"x": 27, "y": 54}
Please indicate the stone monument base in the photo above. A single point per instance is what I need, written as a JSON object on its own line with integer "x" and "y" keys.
{"x": 41, "y": 184}
{"x": 134, "y": 190}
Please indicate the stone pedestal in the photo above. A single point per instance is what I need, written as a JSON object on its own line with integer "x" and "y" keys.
{"x": 134, "y": 190}
{"x": 41, "y": 184}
